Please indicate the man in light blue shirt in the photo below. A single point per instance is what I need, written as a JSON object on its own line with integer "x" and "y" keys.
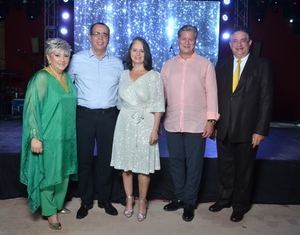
{"x": 96, "y": 75}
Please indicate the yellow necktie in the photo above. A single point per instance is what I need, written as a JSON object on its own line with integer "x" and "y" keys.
{"x": 236, "y": 75}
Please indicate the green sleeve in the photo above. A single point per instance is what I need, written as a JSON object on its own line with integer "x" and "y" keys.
{"x": 33, "y": 105}
{"x": 31, "y": 170}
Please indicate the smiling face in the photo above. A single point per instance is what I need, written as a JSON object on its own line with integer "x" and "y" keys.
{"x": 137, "y": 53}
{"x": 58, "y": 60}
{"x": 186, "y": 42}
{"x": 240, "y": 44}
{"x": 99, "y": 39}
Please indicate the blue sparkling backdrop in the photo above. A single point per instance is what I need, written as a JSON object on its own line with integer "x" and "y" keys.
{"x": 156, "y": 20}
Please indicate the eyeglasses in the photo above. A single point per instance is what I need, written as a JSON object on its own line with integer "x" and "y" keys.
{"x": 242, "y": 41}
{"x": 100, "y": 35}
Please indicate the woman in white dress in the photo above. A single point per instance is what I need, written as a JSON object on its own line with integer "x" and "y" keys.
{"x": 135, "y": 147}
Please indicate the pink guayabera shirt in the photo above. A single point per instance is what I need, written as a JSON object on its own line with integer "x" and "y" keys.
{"x": 191, "y": 93}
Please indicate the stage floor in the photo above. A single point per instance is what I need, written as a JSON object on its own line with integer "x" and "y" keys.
{"x": 277, "y": 170}
{"x": 282, "y": 143}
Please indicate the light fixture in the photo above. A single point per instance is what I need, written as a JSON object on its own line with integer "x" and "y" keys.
{"x": 225, "y": 17}
{"x": 65, "y": 15}
{"x": 63, "y": 30}
{"x": 226, "y": 35}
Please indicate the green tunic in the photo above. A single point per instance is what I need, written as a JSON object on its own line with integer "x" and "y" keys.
{"x": 49, "y": 115}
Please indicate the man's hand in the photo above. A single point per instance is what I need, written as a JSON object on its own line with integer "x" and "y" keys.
{"x": 208, "y": 129}
{"x": 256, "y": 139}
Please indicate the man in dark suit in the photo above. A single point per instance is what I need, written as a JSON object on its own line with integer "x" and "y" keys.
{"x": 245, "y": 110}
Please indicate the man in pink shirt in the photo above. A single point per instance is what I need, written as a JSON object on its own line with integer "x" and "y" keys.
{"x": 192, "y": 111}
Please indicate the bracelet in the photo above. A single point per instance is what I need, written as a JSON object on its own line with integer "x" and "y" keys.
{"x": 212, "y": 121}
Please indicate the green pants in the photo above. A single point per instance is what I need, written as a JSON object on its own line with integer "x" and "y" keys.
{"x": 53, "y": 198}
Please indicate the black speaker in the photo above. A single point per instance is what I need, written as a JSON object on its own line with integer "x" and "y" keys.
{"x": 35, "y": 45}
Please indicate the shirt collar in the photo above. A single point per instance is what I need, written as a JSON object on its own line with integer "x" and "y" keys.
{"x": 179, "y": 58}
{"x": 245, "y": 58}
{"x": 92, "y": 54}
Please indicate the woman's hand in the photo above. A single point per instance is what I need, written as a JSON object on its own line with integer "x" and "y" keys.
{"x": 153, "y": 137}
{"x": 36, "y": 146}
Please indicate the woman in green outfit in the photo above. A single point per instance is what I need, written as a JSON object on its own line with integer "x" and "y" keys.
{"x": 49, "y": 138}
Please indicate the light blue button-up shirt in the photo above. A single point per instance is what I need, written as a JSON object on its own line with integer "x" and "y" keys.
{"x": 96, "y": 79}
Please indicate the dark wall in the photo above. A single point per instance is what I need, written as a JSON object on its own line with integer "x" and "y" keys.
{"x": 20, "y": 31}
{"x": 274, "y": 37}
{"x": 281, "y": 45}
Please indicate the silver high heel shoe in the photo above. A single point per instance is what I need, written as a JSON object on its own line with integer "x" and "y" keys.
{"x": 142, "y": 216}
{"x": 129, "y": 212}
{"x": 65, "y": 211}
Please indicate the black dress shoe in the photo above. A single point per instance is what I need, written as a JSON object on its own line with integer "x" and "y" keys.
{"x": 188, "y": 213}
{"x": 236, "y": 216}
{"x": 217, "y": 207}
{"x": 108, "y": 207}
{"x": 82, "y": 212}
{"x": 174, "y": 205}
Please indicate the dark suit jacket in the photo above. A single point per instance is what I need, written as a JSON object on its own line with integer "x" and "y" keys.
{"x": 248, "y": 109}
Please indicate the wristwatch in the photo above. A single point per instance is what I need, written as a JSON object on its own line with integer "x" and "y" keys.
{"x": 213, "y": 121}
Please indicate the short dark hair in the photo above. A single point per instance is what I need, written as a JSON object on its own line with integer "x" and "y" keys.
{"x": 147, "y": 54}
{"x": 99, "y": 23}
{"x": 242, "y": 29}
{"x": 190, "y": 28}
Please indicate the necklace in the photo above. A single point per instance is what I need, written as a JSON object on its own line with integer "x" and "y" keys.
{"x": 59, "y": 77}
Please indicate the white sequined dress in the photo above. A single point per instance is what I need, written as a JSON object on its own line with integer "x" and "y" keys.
{"x": 139, "y": 99}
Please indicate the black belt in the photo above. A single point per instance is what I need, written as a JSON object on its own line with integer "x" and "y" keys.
{"x": 82, "y": 108}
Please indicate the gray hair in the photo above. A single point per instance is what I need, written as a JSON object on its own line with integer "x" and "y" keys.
{"x": 57, "y": 44}
{"x": 189, "y": 28}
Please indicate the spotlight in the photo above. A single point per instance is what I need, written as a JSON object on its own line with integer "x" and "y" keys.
{"x": 226, "y": 2}
{"x": 291, "y": 20}
{"x": 225, "y": 17}
{"x": 65, "y": 15}
{"x": 275, "y": 4}
{"x": 65, "y": 26}
{"x": 226, "y": 35}
{"x": 63, "y": 30}
{"x": 260, "y": 10}
{"x": 33, "y": 9}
